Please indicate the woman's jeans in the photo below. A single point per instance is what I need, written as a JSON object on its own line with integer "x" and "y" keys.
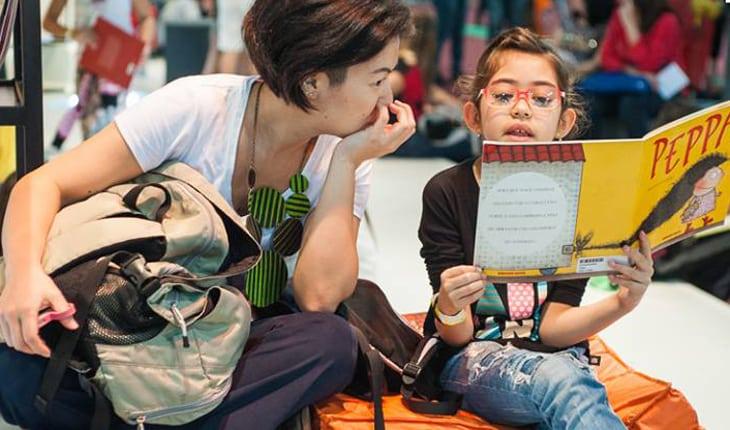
{"x": 512, "y": 386}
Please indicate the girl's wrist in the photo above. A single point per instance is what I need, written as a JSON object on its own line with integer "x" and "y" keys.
{"x": 444, "y": 307}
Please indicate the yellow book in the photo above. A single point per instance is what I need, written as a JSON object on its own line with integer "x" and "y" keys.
{"x": 559, "y": 210}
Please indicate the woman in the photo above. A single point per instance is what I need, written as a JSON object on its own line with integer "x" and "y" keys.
{"x": 324, "y": 68}
{"x": 642, "y": 37}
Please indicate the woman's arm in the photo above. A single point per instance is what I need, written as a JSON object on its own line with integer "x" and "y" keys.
{"x": 565, "y": 325}
{"x": 327, "y": 267}
{"x": 96, "y": 164}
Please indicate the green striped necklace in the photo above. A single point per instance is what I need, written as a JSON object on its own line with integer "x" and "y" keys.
{"x": 268, "y": 209}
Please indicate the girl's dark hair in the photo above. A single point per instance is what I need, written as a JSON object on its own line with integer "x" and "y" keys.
{"x": 289, "y": 40}
{"x": 523, "y": 40}
{"x": 649, "y": 11}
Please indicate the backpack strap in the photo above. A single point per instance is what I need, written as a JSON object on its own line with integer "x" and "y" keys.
{"x": 130, "y": 199}
{"x": 420, "y": 400}
{"x": 375, "y": 368}
{"x": 64, "y": 348}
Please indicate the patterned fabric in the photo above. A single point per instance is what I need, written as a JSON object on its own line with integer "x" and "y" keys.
{"x": 521, "y": 298}
{"x": 511, "y": 311}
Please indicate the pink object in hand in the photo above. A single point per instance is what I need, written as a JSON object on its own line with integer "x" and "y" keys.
{"x": 48, "y": 316}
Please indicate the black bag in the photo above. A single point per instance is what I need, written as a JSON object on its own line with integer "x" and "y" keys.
{"x": 394, "y": 357}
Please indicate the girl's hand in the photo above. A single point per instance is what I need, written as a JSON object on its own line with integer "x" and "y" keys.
{"x": 460, "y": 287}
{"x": 633, "y": 281}
{"x": 380, "y": 138}
{"x": 20, "y": 302}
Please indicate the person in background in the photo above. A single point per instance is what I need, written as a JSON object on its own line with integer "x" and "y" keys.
{"x": 232, "y": 53}
{"x": 451, "y": 15}
{"x": 642, "y": 37}
{"x": 96, "y": 95}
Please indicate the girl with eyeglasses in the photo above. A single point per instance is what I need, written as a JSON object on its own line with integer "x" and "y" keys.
{"x": 523, "y": 356}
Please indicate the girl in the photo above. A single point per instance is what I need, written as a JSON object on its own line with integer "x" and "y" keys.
{"x": 319, "y": 110}
{"x": 524, "y": 358}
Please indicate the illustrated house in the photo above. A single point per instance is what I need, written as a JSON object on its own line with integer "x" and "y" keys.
{"x": 528, "y": 206}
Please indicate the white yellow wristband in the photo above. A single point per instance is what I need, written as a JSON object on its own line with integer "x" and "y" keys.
{"x": 447, "y": 320}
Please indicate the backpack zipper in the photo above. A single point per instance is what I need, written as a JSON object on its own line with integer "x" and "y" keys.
{"x": 141, "y": 417}
{"x": 178, "y": 316}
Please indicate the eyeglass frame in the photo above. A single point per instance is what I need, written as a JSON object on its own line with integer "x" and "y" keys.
{"x": 520, "y": 94}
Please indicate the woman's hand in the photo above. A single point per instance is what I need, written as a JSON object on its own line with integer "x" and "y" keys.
{"x": 20, "y": 303}
{"x": 380, "y": 138}
{"x": 460, "y": 287}
{"x": 634, "y": 280}
{"x": 629, "y": 18}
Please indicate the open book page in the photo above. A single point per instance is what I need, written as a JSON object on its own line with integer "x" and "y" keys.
{"x": 556, "y": 210}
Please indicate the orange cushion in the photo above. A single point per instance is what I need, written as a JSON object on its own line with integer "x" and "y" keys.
{"x": 642, "y": 402}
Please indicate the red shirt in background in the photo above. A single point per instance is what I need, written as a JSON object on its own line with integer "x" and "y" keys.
{"x": 658, "y": 47}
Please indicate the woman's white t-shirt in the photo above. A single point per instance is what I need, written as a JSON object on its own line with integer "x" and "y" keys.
{"x": 197, "y": 120}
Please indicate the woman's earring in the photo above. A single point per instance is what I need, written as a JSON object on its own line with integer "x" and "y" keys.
{"x": 309, "y": 90}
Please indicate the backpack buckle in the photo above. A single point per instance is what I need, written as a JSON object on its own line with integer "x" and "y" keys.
{"x": 135, "y": 269}
{"x": 410, "y": 373}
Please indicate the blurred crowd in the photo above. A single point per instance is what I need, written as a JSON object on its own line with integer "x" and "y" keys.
{"x": 621, "y": 51}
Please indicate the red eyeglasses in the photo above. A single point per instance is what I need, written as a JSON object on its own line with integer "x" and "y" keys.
{"x": 540, "y": 97}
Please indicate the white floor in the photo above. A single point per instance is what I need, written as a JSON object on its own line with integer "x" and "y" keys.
{"x": 678, "y": 333}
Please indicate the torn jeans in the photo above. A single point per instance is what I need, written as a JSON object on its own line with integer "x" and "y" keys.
{"x": 513, "y": 386}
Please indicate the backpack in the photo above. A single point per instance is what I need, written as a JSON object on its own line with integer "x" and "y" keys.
{"x": 395, "y": 358}
{"x": 146, "y": 265}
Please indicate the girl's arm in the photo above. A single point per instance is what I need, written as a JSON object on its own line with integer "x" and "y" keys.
{"x": 98, "y": 163}
{"x": 457, "y": 285}
{"x": 326, "y": 271}
{"x": 564, "y": 325}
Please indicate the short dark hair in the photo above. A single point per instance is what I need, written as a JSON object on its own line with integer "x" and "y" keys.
{"x": 523, "y": 40}
{"x": 291, "y": 39}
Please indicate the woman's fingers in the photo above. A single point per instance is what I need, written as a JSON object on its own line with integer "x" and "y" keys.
{"x": 405, "y": 125}
{"x": 29, "y": 326}
{"x": 16, "y": 335}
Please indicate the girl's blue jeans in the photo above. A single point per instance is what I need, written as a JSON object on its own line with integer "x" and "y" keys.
{"x": 512, "y": 386}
